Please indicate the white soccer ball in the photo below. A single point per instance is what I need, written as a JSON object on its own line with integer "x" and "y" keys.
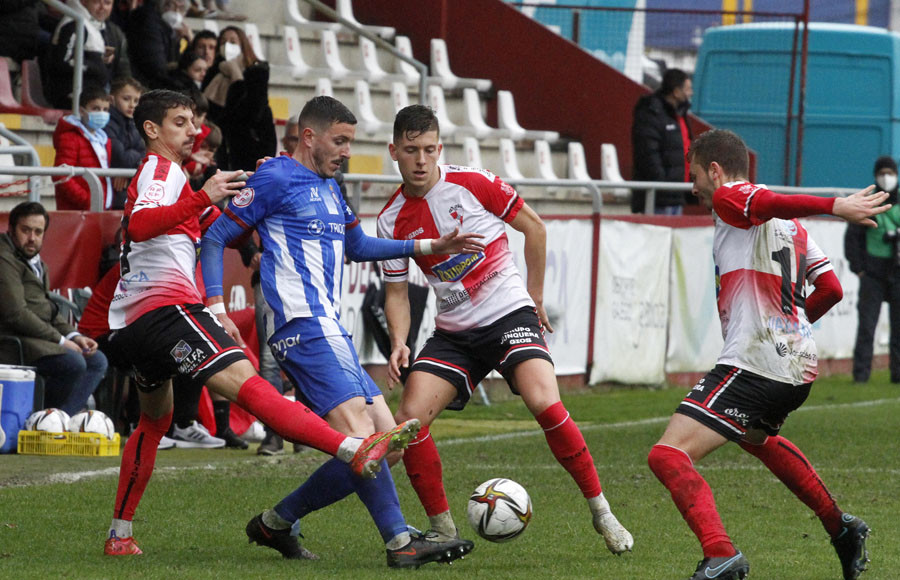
{"x": 499, "y": 509}
{"x": 50, "y": 420}
{"x": 92, "y": 422}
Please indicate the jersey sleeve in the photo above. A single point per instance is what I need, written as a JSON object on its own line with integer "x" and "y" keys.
{"x": 159, "y": 184}
{"x": 395, "y": 269}
{"x": 497, "y": 196}
{"x": 732, "y": 203}
{"x": 251, "y": 204}
{"x": 350, "y": 219}
{"x": 816, "y": 261}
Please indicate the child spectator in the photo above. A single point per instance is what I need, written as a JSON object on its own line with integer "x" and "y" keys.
{"x": 80, "y": 141}
{"x": 127, "y": 145}
{"x": 202, "y": 161}
{"x": 191, "y": 70}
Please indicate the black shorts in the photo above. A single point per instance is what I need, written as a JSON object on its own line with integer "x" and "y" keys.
{"x": 730, "y": 401}
{"x": 465, "y": 358}
{"x": 185, "y": 339}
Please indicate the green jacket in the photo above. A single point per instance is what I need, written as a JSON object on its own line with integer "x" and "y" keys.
{"x": 875, "y": 242}
{"x": 26, "y": 310}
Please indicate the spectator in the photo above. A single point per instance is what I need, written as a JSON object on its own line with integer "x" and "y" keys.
{"x": 234, "y": 55}
{"x": 190, "y": 73}
{"x": 873, "y": 256}
{"x": 153, "y": 41}
{"x": 291, "y": 135}
{"x": 202, "y": 164}
{"x": 248, "y": 126}
{"x": 217, "y": 9}
{"x": 80, "y": 141}
{"x": 116, "y": 49}
{"x": 127, "y": 146}
{"x": 58, "y": 65}
{"x": 204, "y": 44}
{"x": 660, "y": 138}
{"x": 19, "y": 30}
{"x": 69, "y": 362}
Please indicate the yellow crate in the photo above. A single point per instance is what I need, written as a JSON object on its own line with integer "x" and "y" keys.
{"x": 81, "y": 444}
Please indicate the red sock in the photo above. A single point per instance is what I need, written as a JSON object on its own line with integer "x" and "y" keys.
{"x": 569, "y": 448}
{"x": 792, "y": 468}
{"x": 138, "y": 458}
{"x": 693, "y": 497}
{"x": 292, "y": 420}
{"x": 423, "y": 466}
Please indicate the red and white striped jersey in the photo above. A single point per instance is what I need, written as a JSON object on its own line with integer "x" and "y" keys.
{"x": 761, "y": 267}
{"x": 159, "y": 271}
{"x": 472, "y": 290}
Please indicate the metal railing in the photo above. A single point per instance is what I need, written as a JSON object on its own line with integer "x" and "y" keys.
{"x": 78, "y": 54}
{"x": 22, "y": 147}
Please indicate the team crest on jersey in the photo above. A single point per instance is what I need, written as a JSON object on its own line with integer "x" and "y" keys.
{"x": 180, "y": 351}
{"x": 316, "y": 227}
{"x": 507, "y": 189}
{"x": 457, "y": 213}
{"x": 155, "y": 192}
{"x": 791, "y": 228}
{"x": 244, "y": 197}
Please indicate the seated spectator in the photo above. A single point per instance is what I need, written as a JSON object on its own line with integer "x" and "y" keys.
{"x": 235, "y": 54}
{"x": 80, "y": 141}
{"x": 19, "y": 29}
{"x": 154, "y": 32}
{"x": 190, "y": 73}
{"x": 128, "y": 147}
{"x": 58, "y": 64}
{"x": 204, "y": 44}
{"x": 203, "y": 163}
{"x": 68, "y": 361}
{"x": 116, "y": 53}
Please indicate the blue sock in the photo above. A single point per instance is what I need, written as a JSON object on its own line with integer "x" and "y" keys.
{"x": 380, "y": 497}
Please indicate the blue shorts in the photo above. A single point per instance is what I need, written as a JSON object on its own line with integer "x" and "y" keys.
{"x": 317, "y": 354}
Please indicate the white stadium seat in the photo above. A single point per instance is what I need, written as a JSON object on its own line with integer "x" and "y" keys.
{"x": 577, "y": 162}
{"x": 437, "y": 102}
{"x": 252, "y": 32}
{"x": 475, "y": 120}
{"x": 295, "y": 17}
{"x": 440, "y": 67}
{"x": 472, "y": 152}
{"x": 330, "y": 52}
{"x": 369, "y": 55}
{"x": 506, "y": 114}
{"x": 509, "y": 165}
{"x": 368, "y": 122}
{"x": 409, "y": 72}
{"x": 323, "y": 87}
{"x": 609, "y": 169}
{"x": 399, "y": 96}
{"x": 544, "y": 160}
{"x": 211, "y": 25}
{"x": 299, "y": 66}
{"x": 345, "y": 10}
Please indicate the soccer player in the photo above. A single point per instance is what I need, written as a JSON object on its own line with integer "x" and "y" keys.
{"x": 763, "y": 257}
{"x": 488, "y": 317}
{"x": 160, "y": 325}
{"x": 305, "y": 227}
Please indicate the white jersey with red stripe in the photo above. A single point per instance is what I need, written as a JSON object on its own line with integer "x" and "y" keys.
{"x": 761, "y": 267}
{"x": 159, "y": 271}
{"x": 472, "y": 290}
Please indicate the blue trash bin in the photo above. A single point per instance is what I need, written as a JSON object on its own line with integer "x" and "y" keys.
{"x": 16, "y": 402}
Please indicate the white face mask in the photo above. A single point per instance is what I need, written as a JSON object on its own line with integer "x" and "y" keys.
{"x": 886, "y": 182}
{"x": 173, "y": 18}
{"x": 231, "y": 50}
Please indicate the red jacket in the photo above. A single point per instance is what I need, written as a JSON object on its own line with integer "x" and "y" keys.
{"x": 73, "y": 148}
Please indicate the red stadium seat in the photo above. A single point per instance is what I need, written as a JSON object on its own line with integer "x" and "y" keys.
{"x": 9, "y": 104}
{"x": 33, "y": 92}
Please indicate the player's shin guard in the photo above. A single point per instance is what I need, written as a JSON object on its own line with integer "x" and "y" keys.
{"x": 423, "y": 466}
{"x": 693, "y": 497}
{"x": 789, "y": 465}
{"x": 569, "y": 448}
{"x": 138, "y": 458}
{"x": 292, "y": 420}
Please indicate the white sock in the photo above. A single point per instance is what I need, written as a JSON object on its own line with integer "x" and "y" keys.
{"x": 443, "y": 523}
{"x": 398, "y": 541}
{"x": 599, "y": 505}
{"x": 275, "y": 521}
{"x": 120, "y": 528}
{"x": 348, "y": 448}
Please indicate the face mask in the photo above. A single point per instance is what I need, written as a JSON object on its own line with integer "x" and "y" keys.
{"x": 97, "y": 119}
{"x": 198, "y": 83}
{"x": 886, "y": 182}
{"x": 173, "y": 18}
{"x": 231, "y": 50}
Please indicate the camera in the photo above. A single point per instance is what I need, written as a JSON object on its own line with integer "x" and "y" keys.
{"x": 892, "y": 237}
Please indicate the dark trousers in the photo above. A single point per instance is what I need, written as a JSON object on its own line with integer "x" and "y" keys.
{"x": 70, "y": 378}
{"x": 872, "y": 292}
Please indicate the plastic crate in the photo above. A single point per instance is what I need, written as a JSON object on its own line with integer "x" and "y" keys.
{"x": 80, "y": 444}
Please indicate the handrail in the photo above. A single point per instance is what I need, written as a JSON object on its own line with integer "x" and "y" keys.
{"x": 380, "y": 42}
{"x": 91, "y": 174}
{"x": 78, "y": 64}
{"x": 23, "y": 147}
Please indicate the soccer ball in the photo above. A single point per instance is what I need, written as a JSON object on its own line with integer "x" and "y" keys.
{"x": 50, "y": 420}
{"x": 92, "y": 422}
{"x": 499, "y": 509}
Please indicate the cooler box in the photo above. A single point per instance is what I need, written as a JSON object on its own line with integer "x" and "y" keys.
{"x": 17, "y": 385}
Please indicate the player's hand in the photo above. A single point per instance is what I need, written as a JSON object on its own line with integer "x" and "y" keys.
{"x": 457, "y": 243}
{"x": 399, "y": 359}
{"x": 261, "y": 161}
{"x": 231, "y": 329}
{"x": 220, "y": 185}
{"x": 255, "y": 261}
{"x": 545, "y": 320}
{"x": 861, "y": 206}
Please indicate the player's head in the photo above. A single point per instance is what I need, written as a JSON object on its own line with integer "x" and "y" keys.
{"x": 165, "y": 120}
{"x": 27, "y": 223}
{"x": 291, "y": 135}
{"x": 717, "y": 157}
{"x": 416, "y": 148}
{"x": 327, "y": 128}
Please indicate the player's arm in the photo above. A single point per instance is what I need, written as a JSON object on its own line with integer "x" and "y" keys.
{"x": 363, "y": 248}
{"x": 529, "y": 223}
{"x": 856, "y": 208}
{"x": 212, "y": 249}
{"x": 828, "y": 292}
{"x": 396, "y": 310}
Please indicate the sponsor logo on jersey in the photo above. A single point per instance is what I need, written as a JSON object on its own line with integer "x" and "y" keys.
{"x": 337, "y": 228}
{"x": 415, "y": 233}
{"x": 700, "y": 386}
{"x": 314, "y": 194}
{"x": 156, "y": 192}
{"x": 457, "y": 213}
{"x": 316, "y": 227}
{"x": 782, "y": 325}
{"x": 191, "y": 361}
{"x": 456, "y": 267}
{"x": 781, "y": 349}
{"x": 244, "y": 197}
{"x": 180, "y": 351}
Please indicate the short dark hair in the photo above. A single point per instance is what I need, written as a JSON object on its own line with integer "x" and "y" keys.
{"x": 672, "y": 79}
{"x": 25, "y": 209}
{"x": 214, "y": 138}
{"x": 322, "y": 112}
{"x": 187, "y": 58}
{"x": 154, "y": 105}
{"x": 200, "y": 36}
{"x": 90, "y": 93}
{"x": 121, "y": 83}
{"x": 415, "y": 120}
{"x": 725, "y": 148}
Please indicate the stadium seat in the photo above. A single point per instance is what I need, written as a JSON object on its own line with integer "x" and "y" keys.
{"x": 437, "y": 102}
{"x": 295, "y": 17}
{"x": 252, "y": 32}
{"x": 440, "y": 67}
{"x": 211, "y": 25}
{"x": 368, "y": 122}
{"x": 374, "y": 72}
{"x": 399, "y": 96}
{"x": 323, "y": 87}
{"x": 544, "y": 160}
{"x": 472, "y": 152}
{"x": 8, "y": 102}
{"x": 299, "y": 67}
{"x": 409, "y": 72}
{"x": 609, "y": 169}
{"x": 475, "y": 120}
{"x": 506, "y": 114}
{"x": 33, "y": 93}
{"x": 509, "y": 165}
{"x": 345, "y": 10}
{"x": 332, "y": 56}
{"x": 577, "y": 162}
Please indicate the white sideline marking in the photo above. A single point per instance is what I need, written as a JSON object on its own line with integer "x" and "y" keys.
{"x": 76, "y": 476}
